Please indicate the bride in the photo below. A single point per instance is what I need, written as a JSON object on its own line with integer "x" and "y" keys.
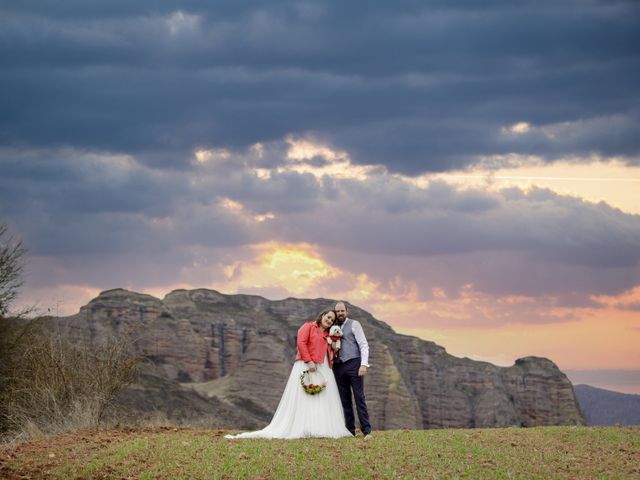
{"x": 301, "y": 414}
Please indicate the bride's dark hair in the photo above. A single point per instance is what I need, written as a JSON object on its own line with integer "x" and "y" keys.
{"x": 318, "y": 319}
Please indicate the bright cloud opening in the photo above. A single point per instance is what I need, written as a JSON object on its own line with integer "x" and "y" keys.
{"x": 518, "y": 128}
{"x": 295, "y": 268}
{"x": 593, "y": 179}
{"x": 239, "y": 209}
{"x": 303, "y": 149}
{"x": 338, "y": 163}
{"x": 207, "y": 155}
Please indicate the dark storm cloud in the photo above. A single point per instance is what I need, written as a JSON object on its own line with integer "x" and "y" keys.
{"x": 73, "y": 203}
{"x": 416, "y": 86}
{"x": 70, "y": 182}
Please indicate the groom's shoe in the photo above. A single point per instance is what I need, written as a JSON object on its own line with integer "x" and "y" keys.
{"x": 367, "y": 436}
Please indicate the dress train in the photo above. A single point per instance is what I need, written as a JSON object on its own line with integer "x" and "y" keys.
{"x": 300, "y": 415}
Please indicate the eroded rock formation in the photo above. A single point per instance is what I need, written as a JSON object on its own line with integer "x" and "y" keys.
{"x": 226, "y": 358}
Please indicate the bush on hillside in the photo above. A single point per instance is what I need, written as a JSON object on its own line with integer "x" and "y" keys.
{"x": 49, "y": 384}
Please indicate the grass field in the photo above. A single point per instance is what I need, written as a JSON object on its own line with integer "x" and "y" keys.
{"x": 550, "y": 452}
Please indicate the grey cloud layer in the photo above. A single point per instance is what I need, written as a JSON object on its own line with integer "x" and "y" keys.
{"x": 534, "y": 244}
{"x": 389, "y": 217}
{"x": 71, "y": 203}
{"x": 416, "y": 86}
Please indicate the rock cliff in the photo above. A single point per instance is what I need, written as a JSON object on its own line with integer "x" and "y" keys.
{"x": 226, "y": 359}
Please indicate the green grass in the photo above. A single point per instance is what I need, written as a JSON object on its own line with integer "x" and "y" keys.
{"x": 550, "y": 452}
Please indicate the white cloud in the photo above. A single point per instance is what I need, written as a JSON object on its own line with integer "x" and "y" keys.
{"x": 517, "y": 128}
{"x": 302, "y": 152}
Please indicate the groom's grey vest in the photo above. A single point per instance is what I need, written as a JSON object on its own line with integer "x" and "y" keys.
{"x": 348, "y": 346}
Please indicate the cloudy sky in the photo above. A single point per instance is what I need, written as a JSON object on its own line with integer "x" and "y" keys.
{"x": 469, "y": 174}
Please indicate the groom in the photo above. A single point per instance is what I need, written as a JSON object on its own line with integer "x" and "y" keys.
{"x": 350, "y": 368}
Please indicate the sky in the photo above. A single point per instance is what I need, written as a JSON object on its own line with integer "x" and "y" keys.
{"x": 468, "y": 172}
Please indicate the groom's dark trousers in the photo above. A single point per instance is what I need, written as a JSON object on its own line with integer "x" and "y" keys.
{"x": 347, "y": 378}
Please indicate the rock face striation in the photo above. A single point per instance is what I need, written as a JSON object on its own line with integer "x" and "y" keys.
{"x": 225, "y": 359}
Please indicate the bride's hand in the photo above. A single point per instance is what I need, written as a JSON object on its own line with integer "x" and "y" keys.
{"x": 311, "y": 366}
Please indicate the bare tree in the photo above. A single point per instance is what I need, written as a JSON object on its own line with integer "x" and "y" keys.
{"x": 12, "y": 254}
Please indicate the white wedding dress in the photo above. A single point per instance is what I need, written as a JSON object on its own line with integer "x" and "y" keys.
{"x": 301, "y": 415}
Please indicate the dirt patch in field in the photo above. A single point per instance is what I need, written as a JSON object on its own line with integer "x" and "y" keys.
{"x": 25, "y": 460}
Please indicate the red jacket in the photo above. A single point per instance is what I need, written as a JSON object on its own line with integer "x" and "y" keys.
{"x": 312, "y": 343}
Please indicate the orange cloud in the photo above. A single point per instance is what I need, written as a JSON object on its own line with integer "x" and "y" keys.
{"x": 596, "y": 339}
{"x": 629, "y": 300}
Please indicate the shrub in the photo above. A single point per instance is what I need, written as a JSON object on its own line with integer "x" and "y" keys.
{"x": 50, "y": 384}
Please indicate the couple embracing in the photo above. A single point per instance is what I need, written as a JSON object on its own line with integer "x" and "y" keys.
{"x": 329, "y": 369}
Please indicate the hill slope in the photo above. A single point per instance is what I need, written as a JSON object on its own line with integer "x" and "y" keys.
{"x": 604, "y": 407}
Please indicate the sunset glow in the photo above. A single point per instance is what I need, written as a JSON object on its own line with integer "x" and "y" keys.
{"x": 293, "y": 268}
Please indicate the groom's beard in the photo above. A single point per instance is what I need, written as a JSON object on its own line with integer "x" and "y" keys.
{"x": 340, "y": 320}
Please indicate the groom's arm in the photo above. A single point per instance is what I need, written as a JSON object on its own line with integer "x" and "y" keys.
{"x": 361, "y": 340}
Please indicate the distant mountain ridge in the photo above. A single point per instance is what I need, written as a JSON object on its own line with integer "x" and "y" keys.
{"x": 225, "y": 359}
{"x": 605, "y": 407}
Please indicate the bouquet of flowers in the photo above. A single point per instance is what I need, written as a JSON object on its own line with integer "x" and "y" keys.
{"x": 308, "y": 386}
{"x": 335, "y": 333}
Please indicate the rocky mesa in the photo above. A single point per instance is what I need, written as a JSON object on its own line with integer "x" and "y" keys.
{"x": 224, "y": 360}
